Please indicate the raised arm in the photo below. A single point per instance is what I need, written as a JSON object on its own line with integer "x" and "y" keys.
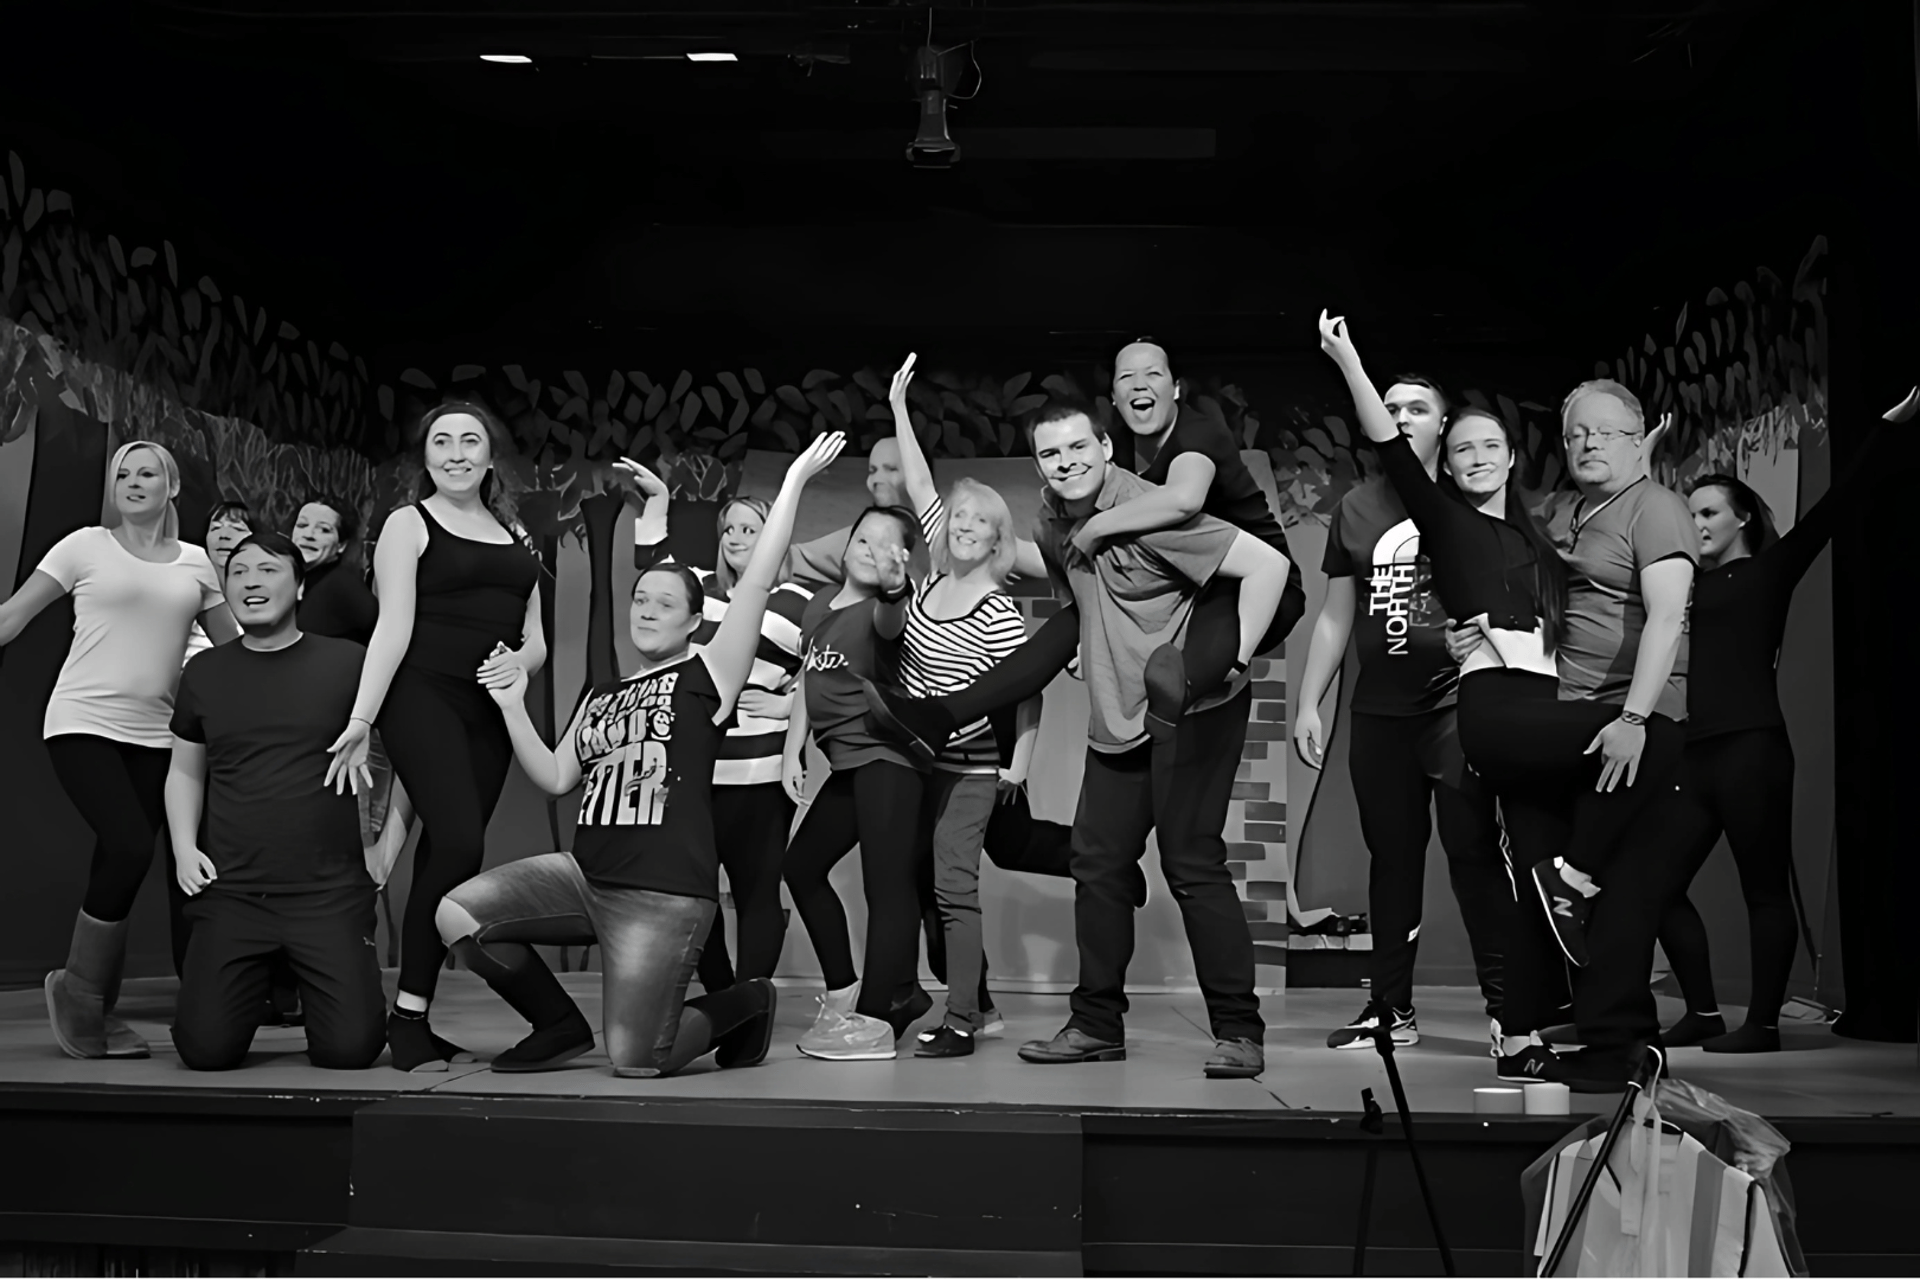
{"x": 1262, "y": 572}
{"x": 23, "y": 606}
{"x": 1801, "y": 545}
{"x": 915, "y": 470}
{"x": 640, "y": 487}
{"x": 730, "y": 653}
{"x": 396, "y": 560}
{"x": 1417, "y": 490}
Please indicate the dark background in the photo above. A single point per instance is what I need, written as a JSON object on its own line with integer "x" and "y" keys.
{"x": 1494, "y": 187}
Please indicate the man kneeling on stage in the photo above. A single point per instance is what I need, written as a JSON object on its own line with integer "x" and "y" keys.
{"x": 269, "y": 854}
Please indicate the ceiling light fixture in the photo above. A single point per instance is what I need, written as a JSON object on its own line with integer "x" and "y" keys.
{"x": 514, "y": 58}
{"x": 712, "y": 57}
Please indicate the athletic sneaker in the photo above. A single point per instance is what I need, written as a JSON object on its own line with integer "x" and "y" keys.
{"x": 1568, "y": 910}
{"x": 1358, "y": 1034}
{"x": 1534, "y": 1063}
{"x": 852, "y": 1037}
{"x": 834, "y": 1007}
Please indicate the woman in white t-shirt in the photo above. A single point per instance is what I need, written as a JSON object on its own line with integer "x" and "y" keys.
{"x": 137, "y": 590}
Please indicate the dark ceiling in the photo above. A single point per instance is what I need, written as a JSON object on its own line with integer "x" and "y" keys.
{"x": 1494, "y": 163}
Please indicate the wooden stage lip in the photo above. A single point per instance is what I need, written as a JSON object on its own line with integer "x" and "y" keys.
{"x": 360, "y": 1182}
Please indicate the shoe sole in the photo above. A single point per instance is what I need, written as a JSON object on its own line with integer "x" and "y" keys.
{"x": 1400, "y": 1041}
{"x": 53, "y": 1019}
{"x": 559, "y": 1059}
{"x": 967, "y": 1053}
{"x": 902, "y": 736}
{"x": 1097, "y": 1055}
{"x": 863, "y": 1055}
{"x": 1540, "y": 892}
{"x": 1234, "y": 1073}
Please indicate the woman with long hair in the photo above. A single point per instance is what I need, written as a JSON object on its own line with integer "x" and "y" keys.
{"x": 753, "y": 815}
{"x": 1739, "y": 758}
{"x": 644, "y": 873}
{"x": 1495, "y": 569}
{"x": 459, "y": 595}
{"x": 137, "y": 589}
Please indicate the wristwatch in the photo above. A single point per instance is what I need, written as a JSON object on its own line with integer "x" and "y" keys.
{"x": 1631, "y": 717}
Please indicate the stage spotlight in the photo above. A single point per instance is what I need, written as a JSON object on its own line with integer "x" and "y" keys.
{"x": 932, "y": 76}
{"x": 515, "y": 58}
{"x": 712, "y": 57}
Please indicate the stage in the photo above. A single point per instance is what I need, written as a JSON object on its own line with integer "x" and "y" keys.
{"x": 971, "y": 1166}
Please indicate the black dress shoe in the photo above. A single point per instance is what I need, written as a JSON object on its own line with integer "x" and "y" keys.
{"x": 944, "y": 1041}
{"x": 1073, "y": 1045}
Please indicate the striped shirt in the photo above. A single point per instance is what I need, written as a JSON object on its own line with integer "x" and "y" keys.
{"x": 946, "y": 655}
{"x": 753, "y": 747}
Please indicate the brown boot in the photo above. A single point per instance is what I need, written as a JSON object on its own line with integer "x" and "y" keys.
{"x": 122, "y": 1040}
{"x": 76, "y": 995}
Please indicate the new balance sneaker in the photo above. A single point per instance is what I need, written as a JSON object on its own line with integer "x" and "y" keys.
{"x": 1358, "y": 1034}
{"x": 852, "y": 1037}
{"x": 1568, "y": 910}
{"x": 1533, "y": 1064}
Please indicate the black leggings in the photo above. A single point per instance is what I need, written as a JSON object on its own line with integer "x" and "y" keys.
{"x": 450, "y": 747}
{"x": 877, "y": 806}
{"x": 1530, "y": 747}
{"x": 1740, "y": 784}
{"x": 120, "y": 789}
{"x": 750, "y": 826}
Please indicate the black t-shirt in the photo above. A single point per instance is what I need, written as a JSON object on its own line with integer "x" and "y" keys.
{"x": 647, "y": 746}
{"x": 336, "y": 603}
{"x": 1399, "y": 628}
{"x": 269, "y": 821}
{"x": 1234, "y": 496}
{"x": 838, "y": 647}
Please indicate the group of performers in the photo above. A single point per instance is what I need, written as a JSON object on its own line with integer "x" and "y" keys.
{"x": 1584, "y": 699}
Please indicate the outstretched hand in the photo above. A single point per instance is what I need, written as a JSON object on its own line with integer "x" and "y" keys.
{"x": 902, "y": 379}
{"x": 1904, "y": 411}
{"x": 816, "y": 457}
{"x": 635, "y": 479}
{"x": 1336, "y": 341}
{"x": 348, "y": 768}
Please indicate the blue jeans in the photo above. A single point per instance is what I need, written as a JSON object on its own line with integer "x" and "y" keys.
{"x": 961, "y": 803}
{"x": 649, "y": 945}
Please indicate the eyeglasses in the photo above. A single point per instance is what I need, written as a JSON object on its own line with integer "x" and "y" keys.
{"x": 1581, "y": 435}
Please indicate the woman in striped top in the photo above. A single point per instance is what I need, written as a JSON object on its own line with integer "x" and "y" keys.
{"x": 751, "y": 819}
{"x": 959, "y": 624}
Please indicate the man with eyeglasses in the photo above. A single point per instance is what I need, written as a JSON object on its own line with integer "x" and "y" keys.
{"x": 1631, "y": 549}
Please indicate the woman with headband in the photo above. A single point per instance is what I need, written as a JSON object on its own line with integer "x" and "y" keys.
{"x": 456, "y": 585}
{"x": 137, "y": 590}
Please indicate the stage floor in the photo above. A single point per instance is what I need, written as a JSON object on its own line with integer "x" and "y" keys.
{"x": 1817, "y": 1075}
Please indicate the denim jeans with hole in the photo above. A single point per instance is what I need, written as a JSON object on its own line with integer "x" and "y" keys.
{"x": 649, "y": 945}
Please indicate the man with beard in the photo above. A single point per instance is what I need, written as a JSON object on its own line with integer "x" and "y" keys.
{"x": 1133, "y": 596}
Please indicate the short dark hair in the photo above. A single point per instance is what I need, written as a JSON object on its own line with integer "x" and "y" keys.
{"x": 908, "y": 522}
{"x": 696, "y": 590}
{"x": 227, "y": 507}
{"x": 1758, "y": 532}
{"x": 1422, "y": 380}
{"x": 1058, "y": 409}
{"x": 349, "y": 526}
{"x": 278, "y": 545}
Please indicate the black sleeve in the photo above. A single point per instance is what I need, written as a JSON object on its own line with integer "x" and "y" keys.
{"x": 1432, "y": 512}
{"x": 1796, "y": 551}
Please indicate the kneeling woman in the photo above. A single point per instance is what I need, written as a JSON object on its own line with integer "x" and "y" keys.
{"x": 643, "y": 879}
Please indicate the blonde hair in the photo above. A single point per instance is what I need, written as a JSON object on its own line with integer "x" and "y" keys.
{"x": 1603, "y": 387}
{"x": 988, "y": 502}
{"x": 722, "y": 571}
{"x": 170, "y": 521}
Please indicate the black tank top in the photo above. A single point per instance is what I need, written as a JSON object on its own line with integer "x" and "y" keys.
{"x": 469, "y": 596}
{"x": 647, "y": 745}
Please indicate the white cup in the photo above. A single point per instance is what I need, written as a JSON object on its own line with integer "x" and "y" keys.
{"x": 1549, "y": 1100}
{"x": 1496, "y": 1102}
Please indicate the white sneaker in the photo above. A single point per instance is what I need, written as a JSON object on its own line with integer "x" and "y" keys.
{"x": 853, "y": 1037}
{"x": 834, "y": 1005}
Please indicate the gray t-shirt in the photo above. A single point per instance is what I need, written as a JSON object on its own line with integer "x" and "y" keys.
{"x": 1606, "y": 553}
{"x": 1134, "y": 595}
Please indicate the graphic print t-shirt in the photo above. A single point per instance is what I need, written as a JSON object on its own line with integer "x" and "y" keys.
{"x": 647, "y": 746}
{"x": 269, "y": 821}
{"x": 1399, "y": 626}
{"x": 841, "y": 647}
